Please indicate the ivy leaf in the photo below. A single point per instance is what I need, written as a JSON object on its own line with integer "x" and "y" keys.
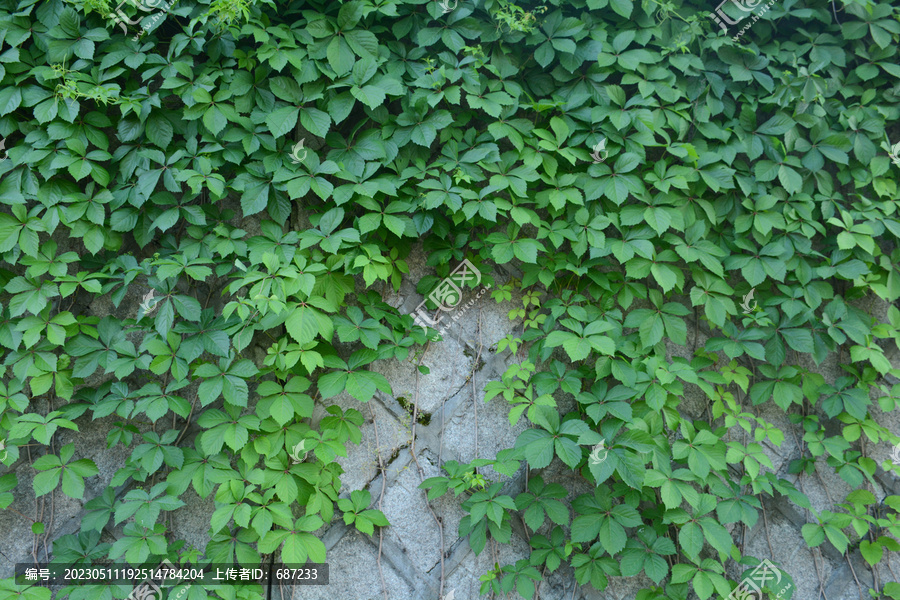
{"x": 622, "y": 7}
{"x": 145, "y": 506}
{"x": 305, "y": 322}
{"x": 72, "y": 473}
{"x": 691, "y": 539}
{"x": 284, "y": 403}
{"x": 297, "y": 546}
{"x": 359, "y": 383}
{"x": 282, "y": 120}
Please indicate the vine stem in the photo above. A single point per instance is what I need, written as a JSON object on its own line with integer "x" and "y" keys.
{"x": 34, "y": 542}
{"x": 537, "y": 590}
{"x": 20, "y": 514}
{"x": 188, "y": 421}
{"x": 54, "y": 448}
{"x": 891, "y": 569}
{"x": 474, "y": 370}
{"x": 855, "y": 578}
{"x": 765, "y": 515}
{"x": 380, "y": 499}
{"x": 419, "y": 466}
{"x": 768, "y": 539}
{"x": 443, "y": 403}
{"x": 873, "y": 568}
{"x": 813, "y": 551}
{"x": 496, "y": 556}
{"x": 49, "y": 528}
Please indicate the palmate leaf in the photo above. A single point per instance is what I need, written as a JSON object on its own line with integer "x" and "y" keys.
{"x": 297, "y": 546}
{"x": 138, "y": 543}
{"x": 538, "y": 447}
{"x": 146, "y": 506}
{"x": 98, "y": 511}
{"x": 542, "y": 501}
{"x": 646, "y": 552}
{"x": 742, "y": 509}
{"x": 283, "y": 403}
{"x": 224, "y": 379}
{"x": 306, "y": 322}
{"x": 843, "y": 397}
{"x": 361, "y": 384}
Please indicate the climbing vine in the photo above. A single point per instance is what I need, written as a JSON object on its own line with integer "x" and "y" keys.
{"x": 684, "y": 213}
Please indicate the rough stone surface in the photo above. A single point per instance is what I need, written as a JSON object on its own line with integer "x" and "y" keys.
{"x": 449, "y": 368}
{"x": 353, "y": 573}
{"x": 781, "y": 543}
{"x": 192, "y": 525}
{"x": 361, "y": 463}
{"x": 494, "y": 431}
{"x": 412, "y": 526}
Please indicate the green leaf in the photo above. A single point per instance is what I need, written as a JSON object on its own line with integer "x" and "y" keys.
{"x": 282, "y": 120}
{"x": 45, "y": 482}
{"x": 303, "y": 324}
{"x": 622, "y": 7}
{"x": 691, "y": 539}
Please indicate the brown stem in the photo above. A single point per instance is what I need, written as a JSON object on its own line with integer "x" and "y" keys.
{"x": 814, "y": 552}
{"x": 20, "y": 514}
{"x": 419, "y": 467}
{"x": 188, "y": 422}
{"x": 474, "y": 370}
{"x": 852, "y": 570}
{"x": 380, "y": 499}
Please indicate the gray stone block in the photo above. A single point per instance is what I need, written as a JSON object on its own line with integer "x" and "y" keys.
{"x": 354, "y": 574}
{"x": 412, "y": 525}
{"x": 449, "y": 363}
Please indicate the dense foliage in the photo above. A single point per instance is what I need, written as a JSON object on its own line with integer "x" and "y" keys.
{"x": 719, "y": 168}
